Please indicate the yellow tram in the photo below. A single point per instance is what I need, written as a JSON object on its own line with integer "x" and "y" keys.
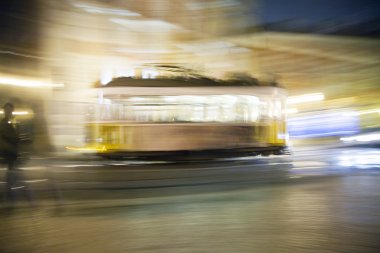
{"x": 157, "y": 116}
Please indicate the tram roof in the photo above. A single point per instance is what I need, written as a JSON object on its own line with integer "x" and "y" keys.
{"x": 181, "y": 82}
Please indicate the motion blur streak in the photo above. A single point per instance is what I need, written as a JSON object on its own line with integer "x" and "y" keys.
{"x": 305, "y": 98}
{"x": 26, "y": 82}
{"x": 189, "y": 126}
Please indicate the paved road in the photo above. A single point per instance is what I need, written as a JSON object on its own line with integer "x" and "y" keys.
{"x": 104, "y": 174}
{"x": 327, "y": 201}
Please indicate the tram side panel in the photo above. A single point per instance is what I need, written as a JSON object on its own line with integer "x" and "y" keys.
{"x": 110, "y": 138}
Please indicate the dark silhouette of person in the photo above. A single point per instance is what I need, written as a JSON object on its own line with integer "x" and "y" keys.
{"x": 9, "y": 147}
{"x": 9, "y": 137}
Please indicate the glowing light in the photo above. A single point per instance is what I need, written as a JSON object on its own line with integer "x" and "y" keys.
{"x": 282, "y": 136}
{"x": 364, "y": 112}
{"x": 17, "y": 113}
{"x": 291, "y": 111}
{"x": 370, "y": 160}
{"x": 102, "y": 10}
{"x": 323, "y": 124}
{"x": 36, "y": 180}
{"x": 306, "y": 98}
{"x": 362, "y": 138}
{"x": 106, "y": 76}
{"x": 88, "y": 149}
{"x": 18, "y": 187}
{"x": 20, "y": 113}
{"x": 149, "y": 74}
{"x": 26, "y": 82}
{"x": 125, "y": 73}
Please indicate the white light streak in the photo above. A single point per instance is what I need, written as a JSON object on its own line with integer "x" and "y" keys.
{"x": 203, "y": 46}
{"x": 143, "y": 50}
{"x": 306, "y": 98}
{"x": 103, "y": 10}
{"x": 27, "y": 82}
{"x": 362, "y": 138}
{"x": 197, "y": 6}
{"x": 17, "y": 112}
{"x": 146, "y": 25}
{"x": 291, "y": 111}
{"x": 36, "y": 180}
{"x": 369, "y": 160}
{"x": 363, "y": 112}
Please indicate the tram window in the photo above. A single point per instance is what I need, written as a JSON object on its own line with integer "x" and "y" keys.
{"x": 215, "y": 108}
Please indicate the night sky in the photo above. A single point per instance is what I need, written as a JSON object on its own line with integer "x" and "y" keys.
{"x": 335, "y": 17}
{"x": 19, "y": 19}
{"x": 22, "y": 15}
{"x": 318, "y": 10}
